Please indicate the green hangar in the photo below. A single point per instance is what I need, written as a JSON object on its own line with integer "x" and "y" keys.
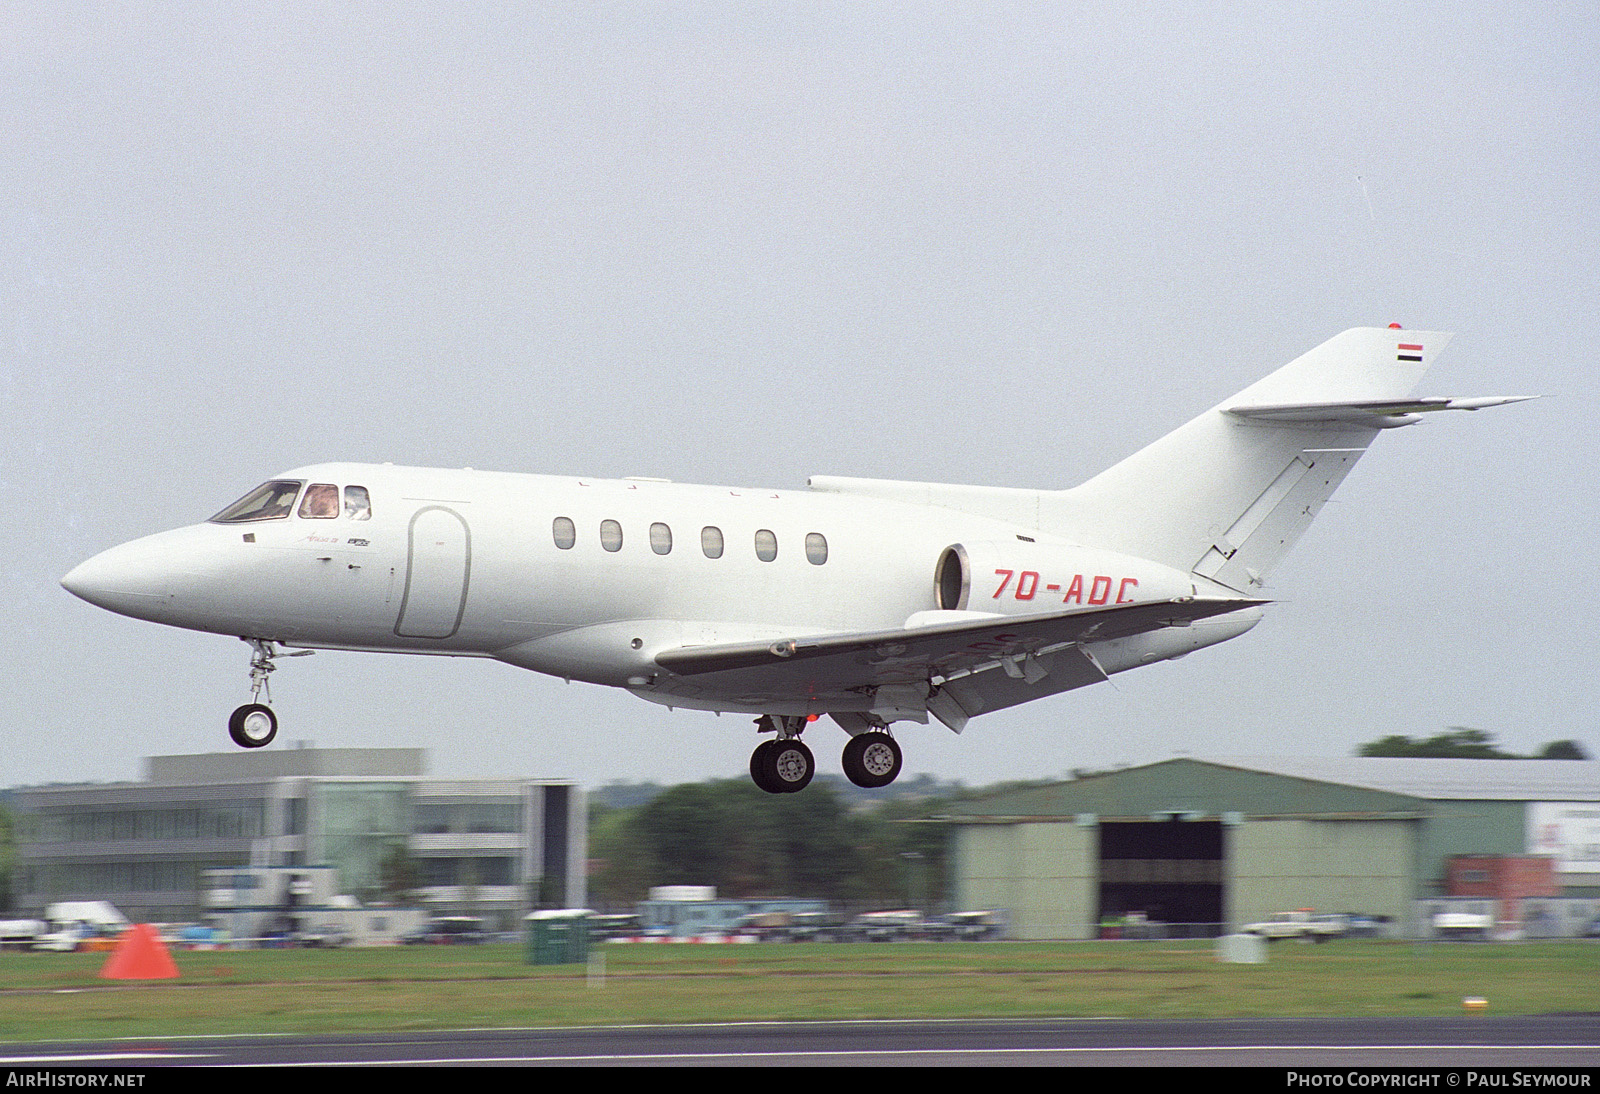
{"x": 1213, "y": 844}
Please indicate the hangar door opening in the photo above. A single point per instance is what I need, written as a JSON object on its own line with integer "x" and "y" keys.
{"x": 1170, "y": 870}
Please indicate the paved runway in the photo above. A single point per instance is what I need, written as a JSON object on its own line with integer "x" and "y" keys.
{"x": 1550, "y": 1042}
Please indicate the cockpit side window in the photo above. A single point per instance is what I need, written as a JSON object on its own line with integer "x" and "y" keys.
{"x": 321, "y": 501}
{"x": 269, "y": 501}
{"x": 357, "y": 505}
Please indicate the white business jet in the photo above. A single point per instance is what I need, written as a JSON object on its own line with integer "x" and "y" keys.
{"x": 866, "y": 600}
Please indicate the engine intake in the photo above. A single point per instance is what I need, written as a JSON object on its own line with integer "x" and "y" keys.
{"x": 1022, "y": 577}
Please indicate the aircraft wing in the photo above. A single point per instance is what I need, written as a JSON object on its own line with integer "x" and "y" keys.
{"x": 1040, "y": 653}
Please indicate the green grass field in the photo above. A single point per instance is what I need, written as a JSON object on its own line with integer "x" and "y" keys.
{"x": 47, "y": 996}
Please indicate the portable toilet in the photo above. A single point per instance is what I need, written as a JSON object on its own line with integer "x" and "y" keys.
{"x": 559, "y": 936}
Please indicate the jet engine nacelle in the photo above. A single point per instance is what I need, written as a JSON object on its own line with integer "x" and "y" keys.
{"x": 1023, "y": 577}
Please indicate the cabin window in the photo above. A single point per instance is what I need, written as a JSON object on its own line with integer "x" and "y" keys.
{"x": 660, "y": 539}
{"x": 565, "y": 532}
{"x": 816, "y": 548}
{"x": 766, "y": 545}
{"x": 321, "y": 501}
{"x": 269, "y": 501}
{"x": 611, "y": 535}
{"x": 711, "y": 541}
{"x": 357, "y": 503}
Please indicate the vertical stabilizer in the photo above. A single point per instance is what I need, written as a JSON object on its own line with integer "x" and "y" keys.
{"x": 1228, "y": 493}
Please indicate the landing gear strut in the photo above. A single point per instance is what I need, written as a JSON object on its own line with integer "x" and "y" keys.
{"x": 254, "y": 724}
{"x": 784, "y": 765}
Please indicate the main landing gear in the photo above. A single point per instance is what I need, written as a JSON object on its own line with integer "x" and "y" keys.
{"x": 872, "y": 759}
{"x": 254, "y": 725}
{"x": 782, "y": 765}
{"x": 785, "y": 765}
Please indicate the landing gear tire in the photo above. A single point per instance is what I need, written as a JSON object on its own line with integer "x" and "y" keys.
{"x": 758, "y": 767}
{"x": 872, "y": 760}
{"x": 782, "y": 767}
{"x": 253, "y": 726}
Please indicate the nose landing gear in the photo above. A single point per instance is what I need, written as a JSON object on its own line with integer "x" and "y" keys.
{"x": 254, "y": 725}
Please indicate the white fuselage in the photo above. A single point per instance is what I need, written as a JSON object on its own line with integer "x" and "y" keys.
{"x": 475, "y": 563}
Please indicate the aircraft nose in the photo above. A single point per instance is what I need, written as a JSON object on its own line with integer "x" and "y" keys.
{"x": 129, "y": 580}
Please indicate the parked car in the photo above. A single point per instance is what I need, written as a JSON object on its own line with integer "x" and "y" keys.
{"x": 763, "y": 926}
{"x": 81, "y": 925}
{"x": 892, "y": 926}
{"x": 1367, "y": 926}
{"x": 965, "y": 927}
{"x": 603, "y": 928}
{"x": 1465, "y": 925}
{"x": 1302, "y": 924}
{"x": 321, "y": 938}
{"x": 815, "y": 927}
{"x": 19, "y": 934}
{"x": 450, "y": 930}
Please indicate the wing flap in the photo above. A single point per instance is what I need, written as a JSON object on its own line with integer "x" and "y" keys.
{"x": 1020, "y": 681}
{"x": 1022, "y": 647}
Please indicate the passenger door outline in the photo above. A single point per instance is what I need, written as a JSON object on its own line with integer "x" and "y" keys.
{"x": 438, "y": 571}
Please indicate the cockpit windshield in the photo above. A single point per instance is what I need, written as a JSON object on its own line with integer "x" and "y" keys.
{"x": 269, "y": 501}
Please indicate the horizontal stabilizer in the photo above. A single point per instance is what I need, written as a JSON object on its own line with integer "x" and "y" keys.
{"x": 1378, "y": 414}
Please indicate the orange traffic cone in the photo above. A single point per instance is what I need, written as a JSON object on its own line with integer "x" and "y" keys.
{"x": 140, "y": 955}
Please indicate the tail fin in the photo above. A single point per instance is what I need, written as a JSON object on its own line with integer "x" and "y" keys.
{"x": 1229, "y": 493}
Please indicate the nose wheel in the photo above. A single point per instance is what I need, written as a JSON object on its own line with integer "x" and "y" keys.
{"x": 253, "y": 725}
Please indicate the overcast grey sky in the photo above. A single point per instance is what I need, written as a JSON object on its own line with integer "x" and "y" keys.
{"x": 735, "y": 243}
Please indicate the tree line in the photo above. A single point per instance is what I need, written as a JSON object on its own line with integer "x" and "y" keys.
{"x": 1462, "y": 742}
{"x": 750, "y": 844}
